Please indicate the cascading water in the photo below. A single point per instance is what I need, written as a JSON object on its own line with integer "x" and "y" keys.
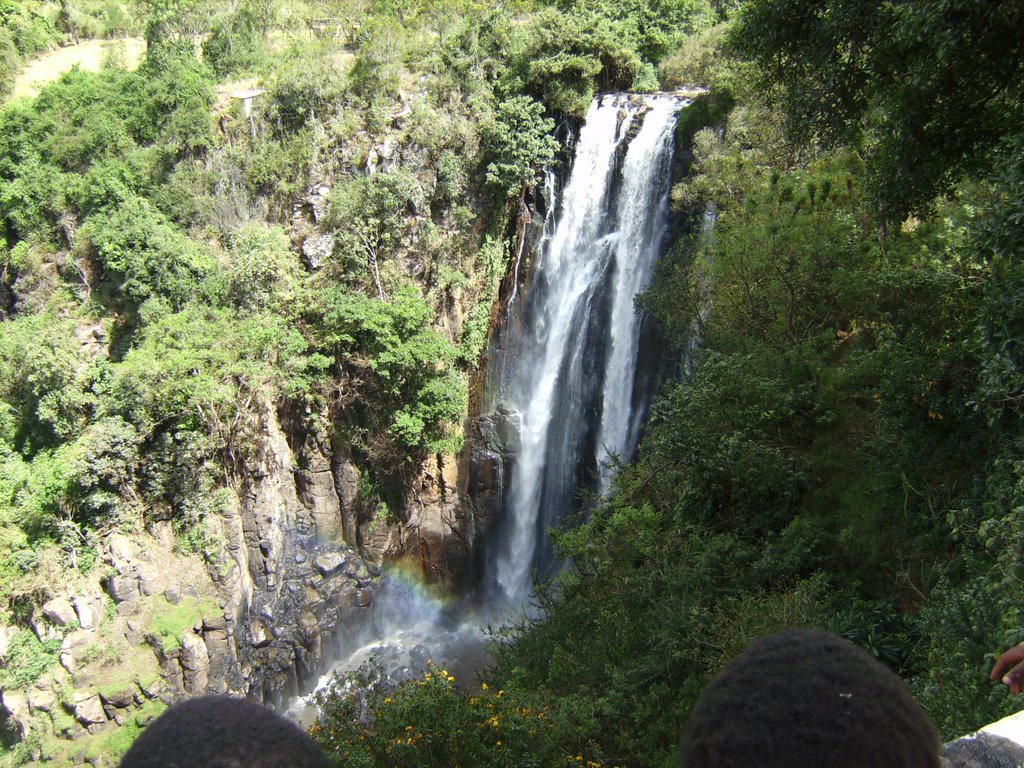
{"x": 565, "y": 376}
{"x": 568, "y": 377}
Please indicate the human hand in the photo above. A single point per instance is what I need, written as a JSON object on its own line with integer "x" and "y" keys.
{"x": 1010, "y": 667}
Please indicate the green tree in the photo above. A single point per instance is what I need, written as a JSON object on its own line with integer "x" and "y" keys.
{"x": 518, "y": 143}
{"x": 563, "y": 59}
{"x": 368, "y": 212}
{"x": 935, "y": 83}
{"x": 10, "y": 64}
{"x": 144, "y": 253}
{"x": 170, "y": 21}
{"x": 412, "y": 391}
{"x": 264, "y": 269}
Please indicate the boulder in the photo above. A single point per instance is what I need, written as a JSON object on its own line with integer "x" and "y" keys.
{"x": 15, "y": 705}
{"x": 308, "y": 624}
{"x": 74, "y": 643}
{"x": 88, "y": 709}
{"x": 329, "y": 563}
{"x": 153, "y": 689}
{"x": 123, "y": 588}
{"x": 86, "y": 611}
{"x": 195, "y": 662}
{"x": 122, "y": 552}
{"x": 259, "y": 634}
{"x": 41, "y": 700}
{"x": 150, "y": 582}
{"x": 120, "y": 699}
{"x": 317, "y": 249}
{"x": 59, "y": 611}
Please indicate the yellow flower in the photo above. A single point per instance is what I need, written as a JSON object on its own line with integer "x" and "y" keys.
{"x": 483, "y": 686}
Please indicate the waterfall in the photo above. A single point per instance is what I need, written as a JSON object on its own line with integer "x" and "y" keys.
{"x": 567, "y": 376}
{"x": 566, "y": 386}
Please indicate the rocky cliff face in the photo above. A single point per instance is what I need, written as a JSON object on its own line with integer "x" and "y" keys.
{"x": 255, "y": 614}
{"x": 254, "y": 608}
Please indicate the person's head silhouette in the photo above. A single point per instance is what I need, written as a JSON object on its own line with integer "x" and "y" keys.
{"x": 807, "y": 699}
{"x": 222, "y": 732}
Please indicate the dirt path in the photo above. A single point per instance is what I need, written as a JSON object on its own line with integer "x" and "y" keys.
{"x": 88, "y": 55}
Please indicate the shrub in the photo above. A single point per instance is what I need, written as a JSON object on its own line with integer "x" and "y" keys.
{"x": 367, "y": 721}
{"x": 10, "y": 64}
{"x": 518, "y": 143}
{"x": 147, "y": 255}
{"x": 307, "y": 85}
{"x": 27, "y": 659}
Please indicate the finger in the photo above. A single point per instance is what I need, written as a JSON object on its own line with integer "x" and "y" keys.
{"x": 1008, "y": 659}
{"x": 1015, "y": 678}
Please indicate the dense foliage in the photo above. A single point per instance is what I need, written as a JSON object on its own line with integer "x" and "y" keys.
{"x": 842, "y": 448}
{"x": 369, "y": 721}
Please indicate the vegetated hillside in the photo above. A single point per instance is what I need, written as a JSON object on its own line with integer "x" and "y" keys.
{"x": 844, "y": 448}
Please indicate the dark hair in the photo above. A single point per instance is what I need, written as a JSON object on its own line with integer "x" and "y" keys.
{"x": 222, "y": 732}
{"x": 806, "y": 699}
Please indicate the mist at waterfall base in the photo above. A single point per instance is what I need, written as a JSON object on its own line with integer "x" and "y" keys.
{"x": 566, "y": 391}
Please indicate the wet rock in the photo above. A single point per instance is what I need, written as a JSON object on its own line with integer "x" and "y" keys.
{"x": 259, "y": 635}
{"x": 317, "y": 492}
{"x": 311, "y": 597}
{"x": 308, "y": 624}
